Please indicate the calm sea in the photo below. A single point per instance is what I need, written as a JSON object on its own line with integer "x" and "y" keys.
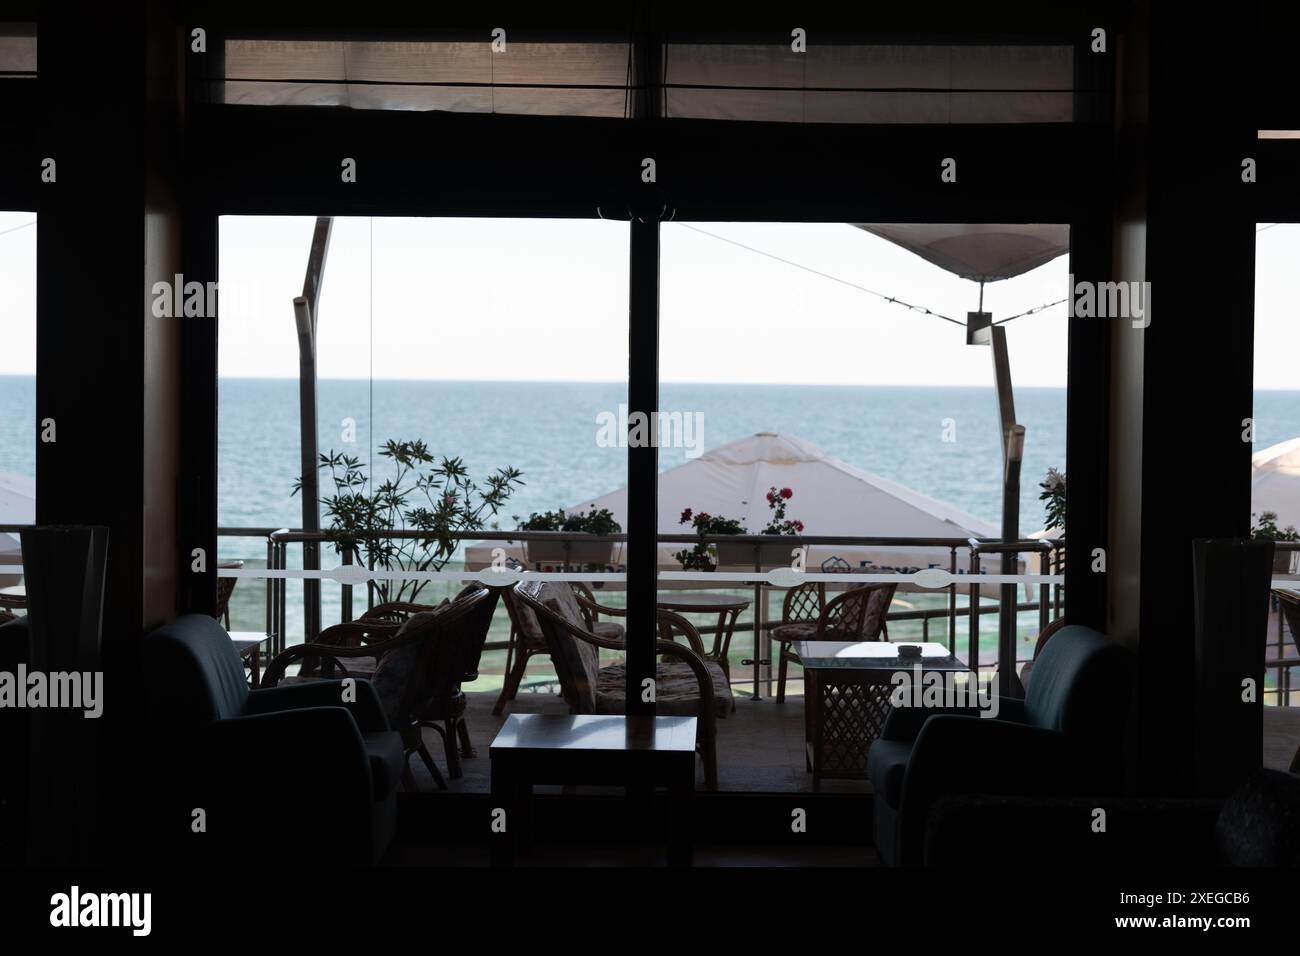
{"x": 548, "y": 430}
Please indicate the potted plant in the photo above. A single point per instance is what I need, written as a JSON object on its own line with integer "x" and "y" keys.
{"x": 596, "y": 521}
{"x": 769, "y": 555}
{"x": 1053, "y": 498}
{"x": 435, "y": 497}
{"x": 1266, "y": 529}
{"x": 703, "y": 556}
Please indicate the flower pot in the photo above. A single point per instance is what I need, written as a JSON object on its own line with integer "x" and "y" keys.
{"x": 741, "y": 556}
{"x": 1283, "y": 561}
{"x": 579, "y": 552}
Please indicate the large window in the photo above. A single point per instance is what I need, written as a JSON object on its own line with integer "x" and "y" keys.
{"x": 17, "y": 382}
{"x": 498, "y": 344}
{"x": 833, "y": 394}
{"x": 1274, "y": 430}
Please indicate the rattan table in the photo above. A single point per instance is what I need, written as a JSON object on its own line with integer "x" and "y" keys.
{"x": 846, "y": 699}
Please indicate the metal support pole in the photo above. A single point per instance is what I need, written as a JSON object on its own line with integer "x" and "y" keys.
{"x": 305, "y": 311}
{"x": 642, "y": 464}
{"x": 1013, "y": 451}
{"x": 982, "y": 331}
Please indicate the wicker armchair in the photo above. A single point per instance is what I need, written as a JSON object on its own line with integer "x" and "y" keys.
{"x": 527, "y": 641}
{"x": 690, "y": 686}
{"x": 225, "y": 588}
{"x": 857, "y": 614}
{"x": 417, "y": 671}
{"x": 592, "y": 609}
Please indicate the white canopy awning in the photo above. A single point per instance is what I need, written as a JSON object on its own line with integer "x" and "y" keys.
{"x": 17, "y": 506}
{"x": 831, "y": 497}
{"x": 1275, "y": 482}
{"x": 981, "y": 252}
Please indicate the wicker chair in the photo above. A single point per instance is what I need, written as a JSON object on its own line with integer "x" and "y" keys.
{"x": 858, "y": 614}
{"x": 592, "y": 609}
{"x": 225, "y": 588}
{"x": 418, "y": 668}
{"x": 693, "y": 687}
{"x": 526, "y": 640}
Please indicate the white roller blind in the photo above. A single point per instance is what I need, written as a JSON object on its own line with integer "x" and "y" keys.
{"x": 862, "y": 83}
{"x": 17, "y": 50}
{"x": 571, "y": 79}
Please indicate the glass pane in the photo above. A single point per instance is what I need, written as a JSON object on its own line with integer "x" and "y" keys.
{"x": 846, "y": 420}
{"x": 464, "y": 368}
{"x": 1275, "y": 462}
{"x": 17, "y": 396}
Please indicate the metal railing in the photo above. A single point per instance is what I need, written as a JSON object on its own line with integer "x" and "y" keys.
{"x": 1051, "y": 552}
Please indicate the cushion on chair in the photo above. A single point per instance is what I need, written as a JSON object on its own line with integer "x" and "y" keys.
{"x": 886, "y": 764}
{"x": 386, "y": 756}
{"x": 877, "y": 609}
{"x": 579, "y": 660}
{"x": 392, "y": 678}
{"x": 677, "y": 691}
{"x": 797, "y": 631}
{"x": 612, "y": 630}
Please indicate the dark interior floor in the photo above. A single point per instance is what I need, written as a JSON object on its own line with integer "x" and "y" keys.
{"x": 412, "y": 853}
{"x": 760, "y": 746}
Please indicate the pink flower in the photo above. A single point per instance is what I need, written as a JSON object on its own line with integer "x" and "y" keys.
{"x": 798, "y": 526}
{"x": 686, "y": 516}
{"x": 787, "y": 493}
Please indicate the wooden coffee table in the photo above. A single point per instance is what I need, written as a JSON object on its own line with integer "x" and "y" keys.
{"x": 846, "y": 699}
{"x": 635, "y": 752}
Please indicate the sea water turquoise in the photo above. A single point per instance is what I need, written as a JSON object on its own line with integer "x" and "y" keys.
{"x": 549, "y": 430}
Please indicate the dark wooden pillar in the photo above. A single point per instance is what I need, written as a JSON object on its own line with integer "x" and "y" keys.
{"x": 1180, "y": 388}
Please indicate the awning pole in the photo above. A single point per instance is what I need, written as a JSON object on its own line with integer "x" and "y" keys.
{"x": 982, "y": 331}
{"x": 305, "y": 312}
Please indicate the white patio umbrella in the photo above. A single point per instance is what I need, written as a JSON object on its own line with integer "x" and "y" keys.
{"x": 17, "y": 506}
{"x": 980, "y": 252}
{"x": 831, "y": 497}
{"x": 1275, "y": 482}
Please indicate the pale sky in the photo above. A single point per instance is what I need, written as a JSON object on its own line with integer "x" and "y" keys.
{"x": 547, "y": 299}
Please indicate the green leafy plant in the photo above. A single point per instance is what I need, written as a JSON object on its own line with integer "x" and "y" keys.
{"x": 1053, "y": 498}
{"x": 595, "y": 521}
{"x": 435, "y": 497}
{"x": 701, "y": 557}
{"x": 1266, "y": 528}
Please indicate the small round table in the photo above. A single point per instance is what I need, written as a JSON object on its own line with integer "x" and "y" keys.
{"x": 727, "y": 607}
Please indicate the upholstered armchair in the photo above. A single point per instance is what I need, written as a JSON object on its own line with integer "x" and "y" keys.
{"x": 306, "y": 773}
{"x": 1064, "y": 738}
{"x": 685, "y": 685}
